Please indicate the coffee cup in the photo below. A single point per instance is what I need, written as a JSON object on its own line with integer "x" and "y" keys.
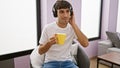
{"x": 61, "y": 38}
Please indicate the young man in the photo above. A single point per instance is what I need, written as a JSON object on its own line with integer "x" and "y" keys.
{"x": 58, "y": 56}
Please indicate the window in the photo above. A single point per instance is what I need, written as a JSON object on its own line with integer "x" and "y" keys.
{"x": 91, "y": 18}
{"x": 19, "y": 22}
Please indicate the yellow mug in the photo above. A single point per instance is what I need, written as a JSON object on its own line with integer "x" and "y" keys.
{"x": 61, "y": 38}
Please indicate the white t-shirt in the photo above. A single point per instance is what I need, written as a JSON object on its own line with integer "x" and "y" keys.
{"x": 58, "y": 52}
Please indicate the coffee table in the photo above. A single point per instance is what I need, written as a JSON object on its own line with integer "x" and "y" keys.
{"x": 112, "y": 57}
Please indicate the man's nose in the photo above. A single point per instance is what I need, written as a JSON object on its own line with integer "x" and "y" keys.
{"x": 65, "y": 14}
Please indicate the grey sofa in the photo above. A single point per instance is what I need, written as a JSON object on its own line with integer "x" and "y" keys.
{"x": 110, "y": 45}
{"x": 105, "y": 46}
{"x": 79, "y": 57}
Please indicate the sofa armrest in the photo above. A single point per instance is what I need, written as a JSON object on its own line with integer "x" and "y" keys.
{"x": 103, "y": 46}
{"x": 82, "y": 58}
{"x": 36, "y": 59}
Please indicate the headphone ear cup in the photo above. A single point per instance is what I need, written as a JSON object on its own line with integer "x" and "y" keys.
{"x": 54, "y": 12}
{"x": 71, "y": 11}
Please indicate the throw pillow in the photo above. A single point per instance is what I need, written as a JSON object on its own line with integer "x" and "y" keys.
{"x": 114, "y": 38}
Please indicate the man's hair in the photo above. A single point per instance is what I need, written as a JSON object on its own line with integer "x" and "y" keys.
{"x": 61, "y": 4}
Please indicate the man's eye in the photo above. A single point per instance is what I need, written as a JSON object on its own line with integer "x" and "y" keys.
{"x": 67, "y": 11}
{"x": 61, "y": 12}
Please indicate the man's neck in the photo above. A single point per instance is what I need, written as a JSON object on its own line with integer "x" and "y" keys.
{"x": 61, "y": 25}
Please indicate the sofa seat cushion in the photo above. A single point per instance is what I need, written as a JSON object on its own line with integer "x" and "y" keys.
{"x": 113, "y": 49}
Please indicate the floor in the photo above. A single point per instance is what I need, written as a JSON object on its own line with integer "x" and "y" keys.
{"x": 93, "y": 64}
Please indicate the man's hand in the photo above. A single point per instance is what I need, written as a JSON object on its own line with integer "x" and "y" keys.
{"x": 53, "y": 40}
{"x": 45, "y": 47}
{"x": 72, "y": 19}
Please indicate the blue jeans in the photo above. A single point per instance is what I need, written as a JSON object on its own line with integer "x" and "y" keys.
{"x": 59, "y": 64}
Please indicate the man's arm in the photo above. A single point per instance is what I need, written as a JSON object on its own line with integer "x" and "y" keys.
{"x": 45, "y": 47}
{"x": 82, "y": 39}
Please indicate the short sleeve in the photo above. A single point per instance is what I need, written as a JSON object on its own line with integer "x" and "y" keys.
{"x": 44, "y": 36}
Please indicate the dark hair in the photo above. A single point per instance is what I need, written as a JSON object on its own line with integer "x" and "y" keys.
{"x": 61, "y": 5}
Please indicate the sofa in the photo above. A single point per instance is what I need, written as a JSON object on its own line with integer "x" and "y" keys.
{"x": 80, "y": 58}
{"x": 105, "y": 46}
{"x": 112, "y": 44}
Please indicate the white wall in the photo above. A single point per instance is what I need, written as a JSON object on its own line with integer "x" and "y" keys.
{"x": 118, "y": 18}
{"x": 43, "y": 13}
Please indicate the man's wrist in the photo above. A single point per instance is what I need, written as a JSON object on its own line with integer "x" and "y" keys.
{"x": 49, "y": 43}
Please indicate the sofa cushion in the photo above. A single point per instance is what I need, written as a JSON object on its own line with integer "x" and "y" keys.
{"x": 114, "y": 38}
{"x": 113, "y": 49}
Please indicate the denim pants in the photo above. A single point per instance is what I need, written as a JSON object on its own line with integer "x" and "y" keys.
{"x": 59, "y": 64}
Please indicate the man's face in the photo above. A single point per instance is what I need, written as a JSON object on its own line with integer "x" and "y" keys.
{"x": 63, "y": 15}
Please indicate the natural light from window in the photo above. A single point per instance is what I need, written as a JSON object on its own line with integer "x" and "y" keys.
{"x": 90, "y": 18}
